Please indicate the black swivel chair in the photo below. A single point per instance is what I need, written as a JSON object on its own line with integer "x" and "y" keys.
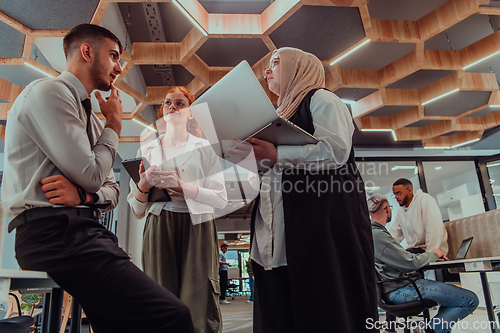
{"x": 405, "y": 310}
{"x": 19, "y": 324}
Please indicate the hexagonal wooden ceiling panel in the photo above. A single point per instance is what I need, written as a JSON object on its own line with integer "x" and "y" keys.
{"x": 424, "y": 70}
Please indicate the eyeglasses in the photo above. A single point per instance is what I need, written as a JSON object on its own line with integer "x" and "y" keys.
{"x": 271, "y": 66}
{"x": 179, "y": 103}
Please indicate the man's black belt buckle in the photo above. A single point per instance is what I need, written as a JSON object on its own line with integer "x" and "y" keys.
{"x": 41, "y": 212}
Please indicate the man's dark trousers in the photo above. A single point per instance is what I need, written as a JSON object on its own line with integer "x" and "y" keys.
{"x": 223, "y": 284}
{"x": 84, "y": 259}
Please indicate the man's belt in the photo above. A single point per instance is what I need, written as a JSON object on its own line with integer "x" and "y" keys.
{"x": 42, "y": 212}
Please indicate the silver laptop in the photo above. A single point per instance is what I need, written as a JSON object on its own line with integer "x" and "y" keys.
{"x": 238, "y": 107}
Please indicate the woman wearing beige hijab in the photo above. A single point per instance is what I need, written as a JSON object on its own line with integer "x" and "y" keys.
{"x": 312, "y": 248}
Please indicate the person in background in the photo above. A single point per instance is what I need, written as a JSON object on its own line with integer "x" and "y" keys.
{"x": 223, "y": 268}
{"x": 312, "y": 195}
{"x": 179, "y": 248}
{"x": 58, "y": 179}
{"x": 250, "y": 278}
{"x": 419, "y": 220}
{"x": 393, "y": 261}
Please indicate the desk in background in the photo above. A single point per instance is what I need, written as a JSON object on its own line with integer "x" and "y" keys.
{"x": 476, "y": 265}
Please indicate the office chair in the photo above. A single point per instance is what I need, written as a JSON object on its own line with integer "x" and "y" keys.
{"x": 19, "y": 324}
{"x": 232, "y": 290}
{"x": 405, "y": 310}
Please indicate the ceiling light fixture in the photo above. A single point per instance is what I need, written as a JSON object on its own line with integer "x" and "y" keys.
{"x": 437, "y": 147}
{"x": 465, "y": 143}
{"x": 38, "y": 69}
{"x": 345, "y": 55}
{"x": 380, "y": 130}
{"x": 347, "y": 101}
{"x": 185, "y": 12}
{"x": 492, "y": 165}
{"x": 494, "y": 106}
{"x": 147, "y": 126}
{"x": 403, "y": 167}
{"x": 438, "y": 168}
{"x": 372, "y": 188}
{"x": 443, "y": 95}
{"x": 477, "y": 62}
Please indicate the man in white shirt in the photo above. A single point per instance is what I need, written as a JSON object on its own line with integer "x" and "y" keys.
{"x": 419, "y": 220}
{"x": 58, "y": 179}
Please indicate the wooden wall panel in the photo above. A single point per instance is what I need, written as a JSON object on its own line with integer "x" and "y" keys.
{"x": 234, "y": 25}
{"x": 9, "y": 91}
{"x": 442, "y": 59}
{"x": 398, "y": 69}
{"x": 278, "y": 12}
{"x": 196, "y": 87}
{"x": 481, "y": 49}
{"x": 4, "y": 108}
{"x": 368, "y": 104}
{"x": 359, "y": 78}
{"x": 450, "y": 13}
{"x": 394, "y": 31}
{"x": 198, "y": 68}
{"x": 402, "y": 97}
{"x": 154, "y": 95}
{"x": 191, "y": 43}
{"x": 156, "y": 53}
{"x": 479, "y": 82}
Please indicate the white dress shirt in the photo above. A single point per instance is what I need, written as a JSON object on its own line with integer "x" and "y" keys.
{"x": 46, "y": 135}
{"x": 421, "y": 224}
{"x": 198, "y": 166}
{"x": 333, "y": 128}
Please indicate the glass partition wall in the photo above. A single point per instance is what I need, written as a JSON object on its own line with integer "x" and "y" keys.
{"x": 494, "y": 178}
{"x": 462, "y": 186}
{"x": 455, "y": 187}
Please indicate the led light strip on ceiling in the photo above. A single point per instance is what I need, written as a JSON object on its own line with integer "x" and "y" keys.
{"x": 147, "y": 126}
{"x": 185, "y": 12}
{"x": 38, "y": 69}
{"x": 443, "y": 95}
{"x": 380, "y": 130}
{"x": 354, "y": 49}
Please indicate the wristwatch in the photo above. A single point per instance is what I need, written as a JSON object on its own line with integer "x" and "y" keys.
{"x": 82, "y": 194}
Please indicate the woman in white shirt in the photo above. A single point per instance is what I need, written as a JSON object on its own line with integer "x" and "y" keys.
{"x": 180, "y": 245}
{"x": 312, "y": 248}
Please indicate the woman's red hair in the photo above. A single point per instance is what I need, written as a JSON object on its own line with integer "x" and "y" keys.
{"x": 192, "y": 125}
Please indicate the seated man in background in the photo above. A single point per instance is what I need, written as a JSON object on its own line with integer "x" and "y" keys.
{"x": 419, "y": 221}
{"x": 393, "y": 261}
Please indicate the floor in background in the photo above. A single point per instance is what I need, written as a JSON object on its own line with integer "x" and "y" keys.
{"x": 237, "y": 317}
{"x": 475, "y": 323}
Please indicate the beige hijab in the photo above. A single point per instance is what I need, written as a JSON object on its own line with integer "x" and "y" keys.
{"x": 300, "y": 73}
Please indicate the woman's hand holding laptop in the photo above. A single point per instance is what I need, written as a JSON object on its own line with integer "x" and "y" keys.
{"x": 442, "y": 257}
{"x": 263, "y": 150}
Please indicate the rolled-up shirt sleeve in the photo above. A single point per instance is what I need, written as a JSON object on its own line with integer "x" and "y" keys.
{"x": 333, "y": 128}
{"x": 61, "y": 134}
{"x": 212, "y": 190}
{"x": 109, "y": 192}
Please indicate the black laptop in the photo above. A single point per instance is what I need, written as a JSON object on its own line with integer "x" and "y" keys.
{"x": 464, "y": 248}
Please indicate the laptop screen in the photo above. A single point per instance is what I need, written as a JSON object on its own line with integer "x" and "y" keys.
{"x": 464, "y": 248}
